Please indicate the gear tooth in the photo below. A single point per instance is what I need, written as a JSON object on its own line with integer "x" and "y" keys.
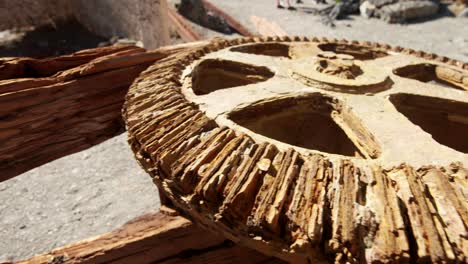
{"x": 324, "y": 39}
{"x": 315, "y": 39}
{"x": 296, "y": 38}
{"x": 444, "y": 59}
{"x": 419, "y": 53}
{"x": 452, "y": 62}
{"x": 374, "y": 44}
{"x": 397, "y": 48}
{"x": 199, "y": 53}
{"x": 249, "y": 39}
{"x": 304, "y": 38}
{"x": 430, "y": 56}
{"x": 269, "y": 38}
{"x": 217, "y": 46}
{"x": 386, "y": 46}
{"x": 439, "y": 58}
{"x": 257, "y": 39}
{"x": 286, "y": 38}
{"x": 237, "y": 41}
{"x": 407, "y": 51}
{"x": 225, "y": 43}
{"x": 354, "y": 42}
{"x": 343, "y": 41}
{"x": 275, "y": 38}
{"x": 184, "y": 61}
{"x": 263, "y": 38}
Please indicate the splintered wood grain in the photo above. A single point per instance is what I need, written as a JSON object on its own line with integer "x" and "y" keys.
{"x": 423, "y": 219}
{"x": 238, "y": 203}
{"x": 383, "y": 225}
{"x": 301, "y": 208}
{"x": 16, "y": 68}
{"x": 212, "y": 186}
{"x": 154, "y": 238}
{"x": 345, "y": 191}
{"x": 307, "y": 208}
{"x": 450, "y": 212}
{"x": 54, "y": 107}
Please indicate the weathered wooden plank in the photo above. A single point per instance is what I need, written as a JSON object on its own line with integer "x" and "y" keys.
{"x": 182, "y": 26}
{"x": 54, "y": 107}
{"x": 162, "y": 237}
{"x": 229, "y": 19}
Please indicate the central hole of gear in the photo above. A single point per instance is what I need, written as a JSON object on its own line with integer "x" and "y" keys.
{"x": 214, "y": 74}
{"x": 358, "y": 52}
{"x": 303, "y": 122}
{"x": 445, "y": 120}
{"x": 267, "y": 49}
{"x": 436, "y": 74}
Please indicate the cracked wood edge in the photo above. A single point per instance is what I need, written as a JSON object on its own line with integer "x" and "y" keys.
{"x": 299, "y": 208}
{"x": 162, "y": 237}
{"x": 75, "y": 105}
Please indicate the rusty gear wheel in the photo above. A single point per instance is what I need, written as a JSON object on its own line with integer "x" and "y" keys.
{"x": 311, "y": 149}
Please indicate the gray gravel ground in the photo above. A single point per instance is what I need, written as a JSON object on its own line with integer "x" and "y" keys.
{"x": 447, "y": 36}
{"x": 73, "y": 198}
{"x": 99, "y": 189}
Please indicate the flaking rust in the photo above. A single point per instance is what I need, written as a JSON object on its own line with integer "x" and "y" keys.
{"x": 308, "y": 172}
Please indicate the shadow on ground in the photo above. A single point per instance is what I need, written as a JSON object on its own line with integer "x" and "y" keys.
{"x": 59, "y": 38}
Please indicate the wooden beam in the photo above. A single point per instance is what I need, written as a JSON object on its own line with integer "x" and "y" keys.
{"x": 162, "y": 237}
{"x": 55, "y": 107}
{"x": 182, "y": 26}
{"x": 235, "y": 24}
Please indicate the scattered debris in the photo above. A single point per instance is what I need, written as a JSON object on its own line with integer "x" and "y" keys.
{"x": 390, "y": 11}
{"x": 196, "y": 12}
{"x": 459, "y": 8}
{"x": 398, "y": 11}
{"x": 339, "y": 10}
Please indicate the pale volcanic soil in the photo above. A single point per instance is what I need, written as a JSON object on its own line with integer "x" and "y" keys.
{"x": 101, "y": 188}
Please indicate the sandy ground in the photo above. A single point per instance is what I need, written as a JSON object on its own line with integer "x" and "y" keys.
{"x": 73, "y": 198}
{"x": 99, "y": 189}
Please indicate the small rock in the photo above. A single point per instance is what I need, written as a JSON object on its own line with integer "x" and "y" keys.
{"x": 367, "y": 9}
{"x": 398, "y": 11}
